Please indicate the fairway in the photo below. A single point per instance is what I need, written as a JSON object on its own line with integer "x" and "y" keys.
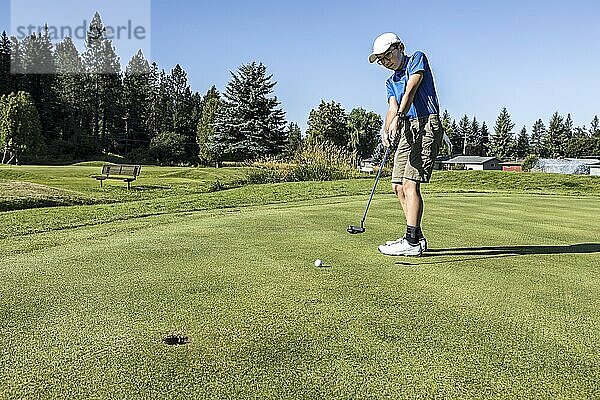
{"x": 505, "y": 305}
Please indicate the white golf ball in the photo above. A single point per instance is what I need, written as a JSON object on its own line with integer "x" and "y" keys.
{"x": 318, "y": 263}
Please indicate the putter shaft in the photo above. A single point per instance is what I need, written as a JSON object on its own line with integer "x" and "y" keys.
{"x": 383, "y": 160}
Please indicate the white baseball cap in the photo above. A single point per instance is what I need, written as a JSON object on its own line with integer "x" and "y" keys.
{"x": 382, "y": 44}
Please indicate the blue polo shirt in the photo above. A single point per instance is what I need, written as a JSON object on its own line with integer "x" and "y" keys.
{"x": 425, "y": 102}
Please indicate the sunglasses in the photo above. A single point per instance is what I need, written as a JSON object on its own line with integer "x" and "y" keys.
{"x": 387, "y": 56}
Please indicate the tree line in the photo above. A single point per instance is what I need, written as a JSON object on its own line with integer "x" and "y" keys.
{"x": 246, "y": 123}
{"x": 86, "y": 105}
{"x": 558, "y": 139}
{"x": 58, "y": 104}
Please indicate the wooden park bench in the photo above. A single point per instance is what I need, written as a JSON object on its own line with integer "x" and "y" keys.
{"x": 125, "y": 173}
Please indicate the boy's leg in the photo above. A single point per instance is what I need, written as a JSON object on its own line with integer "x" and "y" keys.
{"x": 401, "y": 159}
{"x": 414, "y": 202}
{"x": 406, "y": 197}
{"x": 399, "y": 192}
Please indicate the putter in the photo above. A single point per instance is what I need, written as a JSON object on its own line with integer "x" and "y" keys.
{"x": 352, "y": 229}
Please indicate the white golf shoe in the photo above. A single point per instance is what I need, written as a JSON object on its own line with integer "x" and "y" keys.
{"x": 422, "y": 242}
{"x": 401, "y": 248}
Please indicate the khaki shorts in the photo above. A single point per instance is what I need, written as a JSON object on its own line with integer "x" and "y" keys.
{"x": 418, "y": 146}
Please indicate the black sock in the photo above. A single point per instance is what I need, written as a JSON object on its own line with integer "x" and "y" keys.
{"x": 413, "y": 234}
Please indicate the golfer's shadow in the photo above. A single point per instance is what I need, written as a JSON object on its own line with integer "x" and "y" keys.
{"x": 582, "y": 248}
{"x": 476, "y": 253}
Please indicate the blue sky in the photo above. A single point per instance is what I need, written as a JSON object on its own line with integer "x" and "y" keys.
{"x": 534, "y": 57}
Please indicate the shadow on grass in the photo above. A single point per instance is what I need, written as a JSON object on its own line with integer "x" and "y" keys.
{"x": 483, "y": 253}
{"x": 582, "y": 248}
{"x": 142, "y": 188}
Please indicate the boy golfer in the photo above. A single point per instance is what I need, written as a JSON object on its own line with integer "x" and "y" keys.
{"x": 413, "y": 123}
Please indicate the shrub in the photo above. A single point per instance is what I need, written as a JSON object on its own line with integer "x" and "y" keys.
{"x": 264, "y": 175}
{"x": 529, "y": 162}
{"x": 323, "y": 161}
{"x": 140, "y": 155}
{"x": 168, "y": 148}
{"x": 314, "y": 162}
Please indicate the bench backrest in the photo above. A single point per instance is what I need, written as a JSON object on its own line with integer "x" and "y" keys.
{"x": 121, "y": 169}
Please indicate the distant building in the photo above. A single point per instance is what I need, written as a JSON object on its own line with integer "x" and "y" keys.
{"x": 439, "y": 162}
{"x": 512, "y": 166}
{"x": 366, "y": 166}
{"x": 586, "y": 161}
{"x": 570, "y": 166}
{"x": 475, "y": 163}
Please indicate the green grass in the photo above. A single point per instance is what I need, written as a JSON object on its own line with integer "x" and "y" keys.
{"x": 163, "y": 190}
{"x": 504, "y": 306}
{"x": 503, "y": 182}
{"x": 77, "y": 186}
{"x": 23, "y": 187}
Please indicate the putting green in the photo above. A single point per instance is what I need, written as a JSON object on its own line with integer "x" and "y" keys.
{"x": 504, "y": 306}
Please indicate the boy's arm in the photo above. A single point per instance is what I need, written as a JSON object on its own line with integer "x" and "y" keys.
{"x": 390, "y": 127}
{"x": 411, "y": 90}
{"x": 392, "y": 121}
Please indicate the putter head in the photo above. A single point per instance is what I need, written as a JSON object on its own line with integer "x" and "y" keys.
{"x": 355, "y": 229}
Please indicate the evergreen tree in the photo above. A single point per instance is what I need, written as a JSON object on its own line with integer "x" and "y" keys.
{"x": 595, "y": 127}
{"x": 580, "y": 144}
{"x": 364, "y": 128}
{"x": 555, "y": 141}
{"x": 446, "y": 120}
{"x": 502, "y": 143}
{"x": 181, "y": 101}
{"x": 329, "y": 122}
{"x": 205, "y": 130}
{"x": 104, "y": 86}
{"x": 5, "y": 73}
{"x": 36, "y": 54}
{"x": 474, "y": 139}
{"x": 20, "y": 133}
{"x": 464, "y": 130}
{"x": 523, "y": 147}
{"x": 294, "y": 135}
{"x": 447, "y": 128}
{"x": 185, "y": 109}
{"x": 16, "y": 65}
{"x": 136, "y": 98}
{"x": 595, "y": 136}
{"x": 212, "y": 93}
{"x": 70, "y": 84}
{"x": 455, "y": 138}
{"x": 250, "y": 123}
{"x": 568, "y": 127}
{"x": 155, "y": 110}
{"x": 538, "y": 133}
{"x": 197, "y": 105}
{"x": 39, "y": 74}
{"x": 165, "y": 103}
{"x": 485, "y": 140}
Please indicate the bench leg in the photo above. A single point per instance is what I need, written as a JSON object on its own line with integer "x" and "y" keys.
{"x": 101, "y": 180}
{"x": 128, "y": 185}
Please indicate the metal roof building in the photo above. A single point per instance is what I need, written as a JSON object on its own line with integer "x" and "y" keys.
{"x": 475, "y": 163}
